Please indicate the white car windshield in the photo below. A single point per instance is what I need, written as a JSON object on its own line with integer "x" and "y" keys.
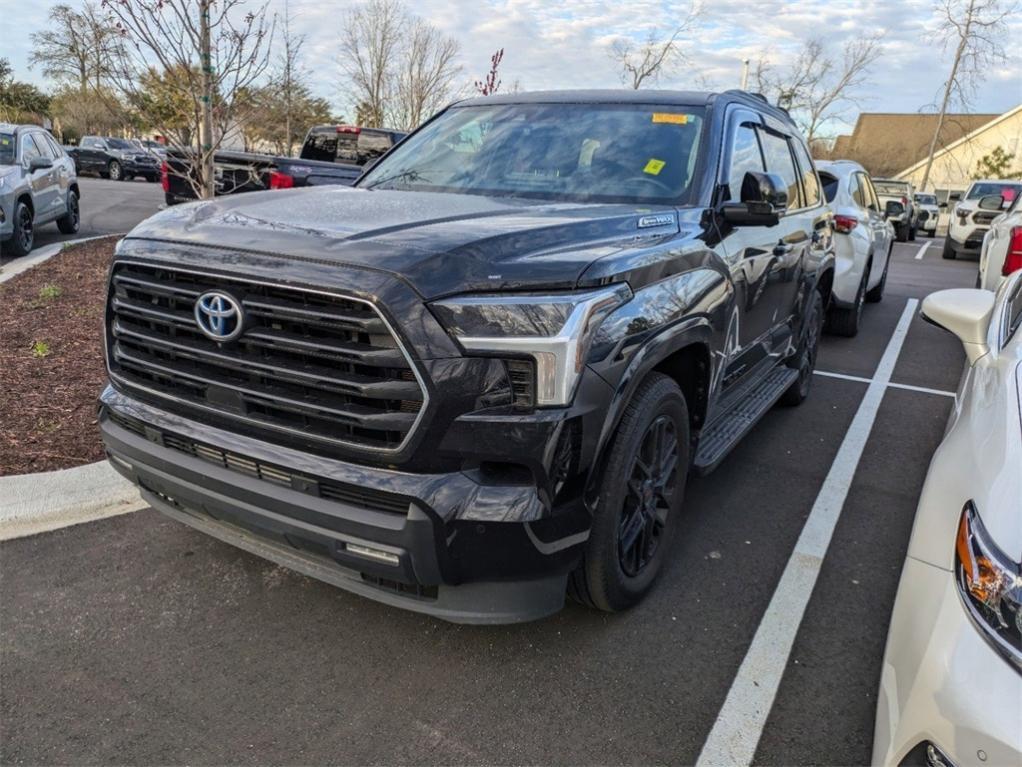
{"x": 629, "y": 153}
{"x": 1007, "y": 191}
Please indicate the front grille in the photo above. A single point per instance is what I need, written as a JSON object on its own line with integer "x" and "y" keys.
{"x": 331, "y": 490}
{"x": 984, "y": 217}
{"x": 309, "y": 365}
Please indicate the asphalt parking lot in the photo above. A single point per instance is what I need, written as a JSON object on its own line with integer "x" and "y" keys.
{"x": 107, "y": 207}
{"x": 136, "y": 640}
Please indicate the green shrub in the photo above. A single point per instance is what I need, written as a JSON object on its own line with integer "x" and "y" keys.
{"x": 40, "y": 349}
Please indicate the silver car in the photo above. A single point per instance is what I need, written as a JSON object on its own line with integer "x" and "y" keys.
{"x": 37, "y": 185}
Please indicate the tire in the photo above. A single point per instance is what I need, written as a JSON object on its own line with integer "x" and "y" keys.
{"x": 804, "y": 359}
{"x": 901, "y": 232}
{"x": 876, "y": 294}
{"x": 114, "y": 172}
{"x": 912, "y": 233}
{"x": 640, "y": 499}
{"x": 23, "y": 236}
{"x": 949, "y": 251}
{"x": 844, "y": 321}
{"x": 68, "y": 223}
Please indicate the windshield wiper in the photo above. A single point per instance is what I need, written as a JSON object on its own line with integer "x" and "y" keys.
{"x": 406, "y": 175}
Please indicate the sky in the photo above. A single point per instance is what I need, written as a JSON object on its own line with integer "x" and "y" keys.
{"x": 566, "y": 43}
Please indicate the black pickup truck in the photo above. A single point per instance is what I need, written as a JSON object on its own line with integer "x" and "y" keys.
{"x": 478, "y": 378}
{"x": 331, "y": 154}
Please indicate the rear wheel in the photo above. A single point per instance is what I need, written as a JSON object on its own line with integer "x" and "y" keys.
{"x": 68, "y": 223}
{"x": 640, "y": 497}
{"x": 949, "y": 251}
{"x": 844, "y": 320}
{"x": 901, "y": 231}
{"x": 912, "y": 233}
{"x": 875, "y": 294}
{"x": 804, "y": 360}
{"x": 23, "y": 236}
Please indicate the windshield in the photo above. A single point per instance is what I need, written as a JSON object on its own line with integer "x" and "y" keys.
{"x": 119, "y": 143}
{"x": 926, "y": 199}
{"x": 7, "y": 149}
{"x": 572, "y": 152}
{"x": 1007, "y": 190}
{"x": 890, "y": 187}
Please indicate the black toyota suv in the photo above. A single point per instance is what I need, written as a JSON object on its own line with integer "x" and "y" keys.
{"x": 479, "y": 378}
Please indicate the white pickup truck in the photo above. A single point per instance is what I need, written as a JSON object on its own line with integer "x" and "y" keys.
{"x": 889, "y": 189}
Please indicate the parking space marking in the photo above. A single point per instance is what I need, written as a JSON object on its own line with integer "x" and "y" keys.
{"x": 739, "y": 724}
{"x": 919, "y": 255}
{"x": 906, "y": 387}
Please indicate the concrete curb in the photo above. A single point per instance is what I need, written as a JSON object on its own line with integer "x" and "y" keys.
{"x": 13, "y": 269}
{"x": 35, "y": 503}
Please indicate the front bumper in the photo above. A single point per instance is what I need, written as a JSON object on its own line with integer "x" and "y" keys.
{"x": 941, "y": 683}
{"x": 140, "y": 168}
{"x": 452, "y": 545}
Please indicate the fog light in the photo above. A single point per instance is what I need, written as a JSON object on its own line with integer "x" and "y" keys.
{"x": 368, "y": 552}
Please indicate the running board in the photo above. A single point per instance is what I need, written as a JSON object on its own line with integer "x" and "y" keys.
{"x": 718, "y": 440}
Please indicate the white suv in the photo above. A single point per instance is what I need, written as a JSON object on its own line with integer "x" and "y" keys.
{"x": 862, "y": 245}
{"x": 969, "y": 222}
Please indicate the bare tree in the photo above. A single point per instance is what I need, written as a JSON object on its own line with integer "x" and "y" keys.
{"x": 656, "y": 56}
{"x": 290, "y": 73}
{"x": 491, "y": 83}
{"x": 975, "y": 30}
{"x": 77, "y": 48}
{"x": 425, "y": 79}
{"x": 817, "y": 87}
{"x": 370, "y": 45}
{"x": 206, "y": 55}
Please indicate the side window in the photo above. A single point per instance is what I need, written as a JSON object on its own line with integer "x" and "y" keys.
{"x": 810, "y": 182}
{"x": 320, "y": 146}
{"x": 745, "y": 156}
{"x": 779, "y": 161}
{"x": 28, "y": 148}
{"x": 856, "y": 190}
{"x": 45, "y": 146}
{"x": 55, "y": 148}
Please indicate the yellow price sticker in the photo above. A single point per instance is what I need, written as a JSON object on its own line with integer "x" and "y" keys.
{"x": 668, "y": 117}
{"x": 654, "y": 166}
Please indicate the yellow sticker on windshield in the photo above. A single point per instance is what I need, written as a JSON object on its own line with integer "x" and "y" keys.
{"x": 667, "y": 117}
{"x": 654, "y": 166}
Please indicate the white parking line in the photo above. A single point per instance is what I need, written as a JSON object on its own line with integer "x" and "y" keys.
{"x": 907, "y": 387}
{"x": 739, "y": 725}
{"x": 919, "y": 255}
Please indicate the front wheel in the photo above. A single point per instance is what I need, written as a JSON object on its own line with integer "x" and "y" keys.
{"x": 804, "y": 360}
{"x": 114, "y": 171}
{"x": 949, "y": 251}
{"x": 912, "y": 233}
{"x": 23, "y": 236}
{"x": 901, "y": 231}
{"x": 640, "y": 496}
{"x": 68, "y": 223}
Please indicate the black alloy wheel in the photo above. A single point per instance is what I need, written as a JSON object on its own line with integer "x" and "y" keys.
{"x": 23, "y": 236}
{"x": 805, "y": 359}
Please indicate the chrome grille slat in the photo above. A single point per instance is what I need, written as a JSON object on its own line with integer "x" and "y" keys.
{"x": 311, "y": 364}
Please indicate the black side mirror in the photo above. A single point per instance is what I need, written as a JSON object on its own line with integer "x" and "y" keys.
{"x": 991, "y": 202}
{"x": 893, "y": 209}
{"x": 40, "y": 163}
{"x": 764, "y": 198}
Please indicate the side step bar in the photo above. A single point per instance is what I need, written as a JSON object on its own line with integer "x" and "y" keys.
{"x": 725, "y": 432}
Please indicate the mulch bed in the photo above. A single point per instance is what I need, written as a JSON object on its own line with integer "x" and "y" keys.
{"x": 51, "y": 360}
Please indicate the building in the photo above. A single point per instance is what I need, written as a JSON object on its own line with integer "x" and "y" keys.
{"x": 957, "y": 163}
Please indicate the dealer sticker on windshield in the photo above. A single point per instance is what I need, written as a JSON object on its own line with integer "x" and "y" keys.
{"x": 654, "y": 166}
{"x": 668, "y": 117}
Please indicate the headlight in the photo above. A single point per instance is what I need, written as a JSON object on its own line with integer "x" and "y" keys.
{"x": 554, "y": 330}
{"x": 991, "y": 586}
{"x": 961, "y": 212}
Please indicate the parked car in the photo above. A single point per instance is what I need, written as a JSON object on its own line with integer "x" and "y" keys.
{"x": 1001, "y": 253}
{"x": 892, "y": 189}
{"x": 951, "y": 683}
{"x": 484, "y": 372}
{"x": 970, "y": 219}
{"x": 331, "y": 154}
{"x": 929, "y": 212}
{"x": 118, "y": 159}
{"x": 862, "y": 245}
{"x": 38, "y": 185}
{"x": 153, "y": 147}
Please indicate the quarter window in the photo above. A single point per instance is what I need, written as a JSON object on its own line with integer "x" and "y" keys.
{"x": 745, "y": 157}
{"x": 779, "y": 161}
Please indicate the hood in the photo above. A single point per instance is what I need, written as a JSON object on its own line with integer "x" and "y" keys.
{"x": 439, "y": 243}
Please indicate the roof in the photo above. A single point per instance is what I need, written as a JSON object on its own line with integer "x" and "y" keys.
{"x": 964, "y": 139}
{"x": 630, "y": 96}
{"x": 886, "y": 143}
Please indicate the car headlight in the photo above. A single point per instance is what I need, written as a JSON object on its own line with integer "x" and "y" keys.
{"x": 961, "y": 212}
{"x": 990, "y": 583}
{"x": 555, "y": 330}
